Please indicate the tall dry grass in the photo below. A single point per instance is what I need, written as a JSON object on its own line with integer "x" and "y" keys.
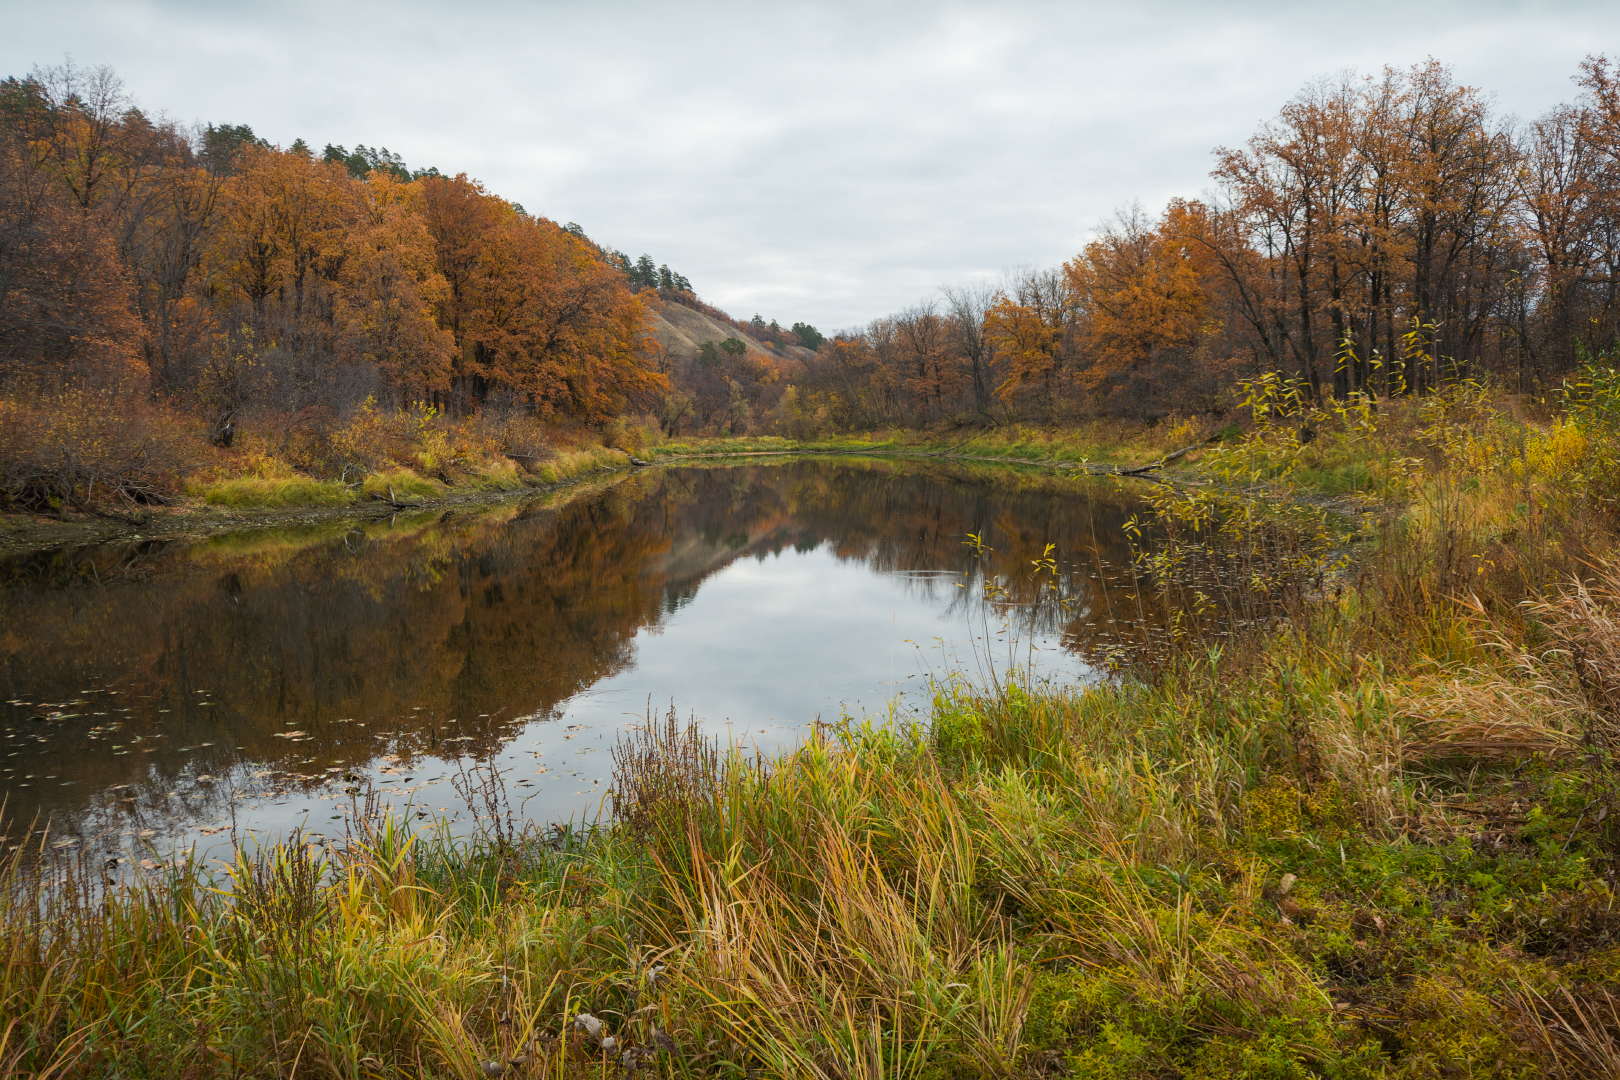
{"x": 1375, "y": 834}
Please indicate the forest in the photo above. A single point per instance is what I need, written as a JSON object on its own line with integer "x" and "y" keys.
{"x": 164, "y": 291}
{"x": 180, "y": 303}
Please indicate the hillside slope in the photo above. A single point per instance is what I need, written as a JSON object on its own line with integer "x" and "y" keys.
{"x": 682, "y": 330}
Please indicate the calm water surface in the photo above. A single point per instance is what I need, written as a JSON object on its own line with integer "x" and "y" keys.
{"x": 169, "y": 694}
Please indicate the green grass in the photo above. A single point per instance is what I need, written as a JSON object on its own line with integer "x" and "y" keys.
{"x": 256, "y": 493}
{"x": 295, "y": 491}
{"x": 497, "y": 476}
{"x": 1350, "y": 477}
{"x": 403, "y": 482}
{"x": 767, "y": 444}
{"x": 1131, "y": 443}
{"x": 567, "y": 465}
{"x": 1092, "y": 878}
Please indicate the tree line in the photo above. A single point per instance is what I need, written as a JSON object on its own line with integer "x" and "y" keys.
{"x": 217, "y": 271}
{"x": 1382, "y": 235}
{"x": 211, "y": 271}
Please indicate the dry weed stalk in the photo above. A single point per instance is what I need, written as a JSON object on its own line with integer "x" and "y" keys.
{"x": 1484, "y": 717}
{"x": 1579, "y": 1037}
{"x": 664, "y": 768}
{"x": 1585, "y": 620}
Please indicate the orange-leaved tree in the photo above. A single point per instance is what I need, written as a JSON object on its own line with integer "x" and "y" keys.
{"x": 1030, "y": 327}
{"x": 391, "y": 289}
{"x": 1143, "y": 290}
{"x": 283, "y": 225}
{"x": 549, "y": 320}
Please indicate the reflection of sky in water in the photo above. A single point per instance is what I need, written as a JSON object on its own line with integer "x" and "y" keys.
{"x": 766, "y": 647}
{"x": 792, "y": 636}
{"x": 770, "y": 645}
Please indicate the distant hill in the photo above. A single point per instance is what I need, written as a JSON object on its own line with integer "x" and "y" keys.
{"x": 682, "y": 330}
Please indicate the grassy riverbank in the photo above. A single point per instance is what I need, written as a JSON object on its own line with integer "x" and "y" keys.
{"x": 1374, "y": 834}
{"x": 235, "y": 504}
{"x": 80, "y": 467}
{"x": 1101, "y": 441}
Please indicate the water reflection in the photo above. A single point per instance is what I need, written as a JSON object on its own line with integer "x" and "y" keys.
{"x": 259, "y": 680}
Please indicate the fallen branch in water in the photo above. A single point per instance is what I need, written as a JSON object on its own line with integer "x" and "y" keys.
{"x": 1119, "y": 470}
{"x": 395, "y": 501}
{"x": 1087, "y": 467}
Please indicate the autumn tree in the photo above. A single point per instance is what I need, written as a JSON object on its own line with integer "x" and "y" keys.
{"x": 1381, "y": 225}
{"x": 1146, "y": 299}
{"x": 1296, "y": 188}
{"x": 460, "y": 218}
{"x": 928, "y": 364}
{"x": 65, "y": 299}
{"x": 966, "y": 306}
{"x": 391, "y": 289}
{"x": 558, "y": 325}
{"x": 1031, "y": 325}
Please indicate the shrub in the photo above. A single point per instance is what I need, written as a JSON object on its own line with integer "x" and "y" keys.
{"x": 74, "y": 448}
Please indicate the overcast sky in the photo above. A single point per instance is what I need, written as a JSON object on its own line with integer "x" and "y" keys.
{"x": 824, "y": 162}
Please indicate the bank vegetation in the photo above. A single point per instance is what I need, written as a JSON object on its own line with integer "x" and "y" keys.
{"x": 1362, "y": 823}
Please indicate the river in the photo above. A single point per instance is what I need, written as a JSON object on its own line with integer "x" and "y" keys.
{"x": 162, "y": 696}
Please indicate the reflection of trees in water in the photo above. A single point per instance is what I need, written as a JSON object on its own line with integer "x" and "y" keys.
{"x": 1091, "y": 602}
{"x": 452, "y": 628}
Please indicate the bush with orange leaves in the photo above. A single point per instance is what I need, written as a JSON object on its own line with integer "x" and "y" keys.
{"x": 83, "y": 449}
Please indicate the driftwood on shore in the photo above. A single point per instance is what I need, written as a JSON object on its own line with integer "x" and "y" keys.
{"x": 1138, "y": 470}
{"x": 396, "y": 501}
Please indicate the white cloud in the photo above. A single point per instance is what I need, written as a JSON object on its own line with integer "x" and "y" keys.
{"x": 819, "y": 162}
